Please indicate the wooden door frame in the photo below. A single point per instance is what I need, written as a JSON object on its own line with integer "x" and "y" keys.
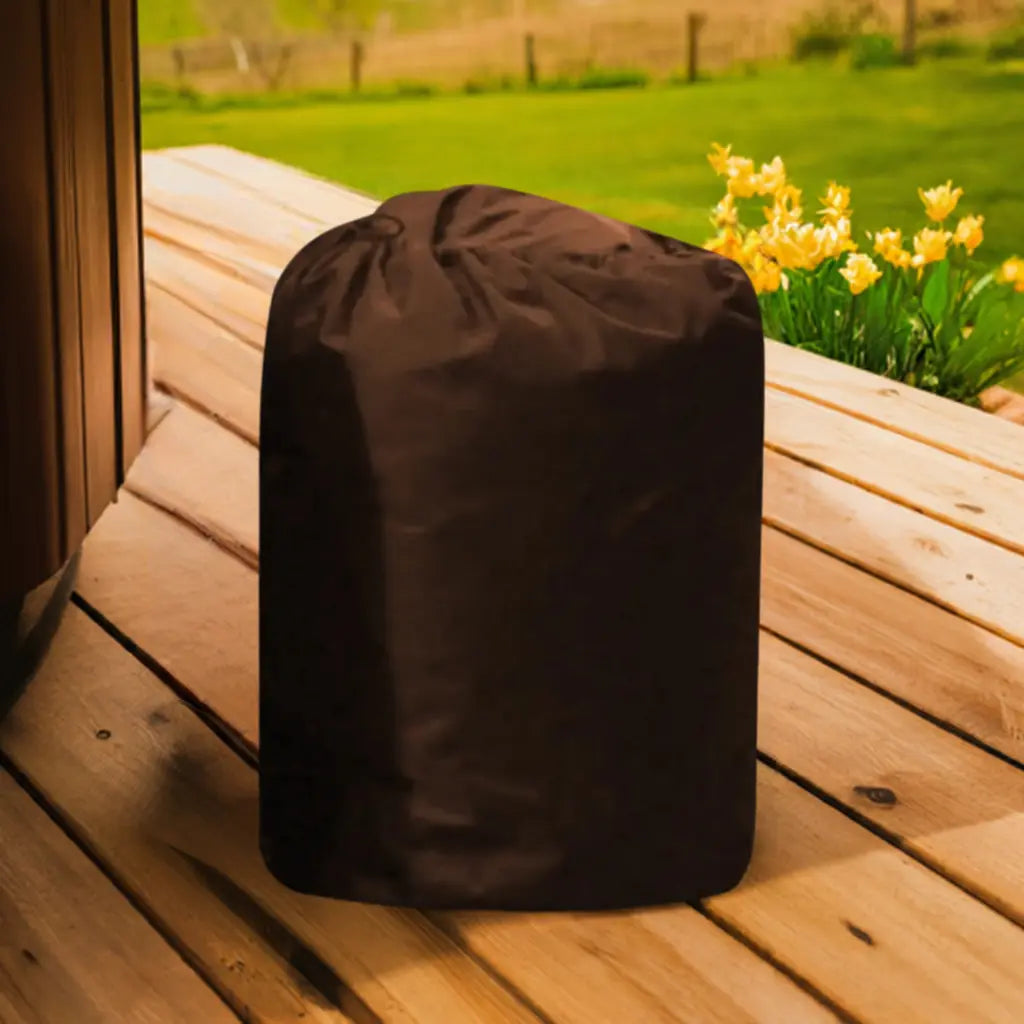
{"x": 72, "y": 361}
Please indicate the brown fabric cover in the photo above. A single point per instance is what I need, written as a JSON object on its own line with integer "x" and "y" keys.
{"x": 511, "y": 496}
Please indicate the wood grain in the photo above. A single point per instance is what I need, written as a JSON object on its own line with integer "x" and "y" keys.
{"x": 258, "y": 226}
{"x": 660, "y": 967}
{"x": 174, "y": 813}
{"x": 72, "y": 948}
{"x": 228, "y": 300}
{"x": 221, "y": 251}
{"x": 150, "y": 575}
{"x": 925, "y": 655}
{"x": 948, "y": 488}
{"x": 204, "y": 363}
{"x": 950, "y": 426}
{"x": 204, "y": 475}
{"x": 289, "y": 188}
{"x": 879, "y": 933}
{"x": 977, "y": 579}
{"x": 954, "y": 805}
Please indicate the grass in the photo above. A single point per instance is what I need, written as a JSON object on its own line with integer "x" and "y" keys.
{"x": 638, "y": 154}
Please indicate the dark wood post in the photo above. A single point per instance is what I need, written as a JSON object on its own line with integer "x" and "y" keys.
{"x": 356, "y": 64}
{"x": 530, "y": 51}
{"x": 909, "y": 31}
{"x": 694, "y": 23}
{"x": 71, "y": 364}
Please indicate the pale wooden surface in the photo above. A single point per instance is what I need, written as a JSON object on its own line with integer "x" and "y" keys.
{"x": 72, "y": 948}
{"x": 888, "y": 877}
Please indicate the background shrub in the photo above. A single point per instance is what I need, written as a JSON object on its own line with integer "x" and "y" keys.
{"x": 874, "y": 50}
{"x": 1007, "y": 45}
{"x": 947, "y": 48}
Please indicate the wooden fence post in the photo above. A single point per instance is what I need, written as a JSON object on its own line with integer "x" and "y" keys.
{"x": 355, "y": 67}
{"x": 694, "y": 23}
{"x": 909, "y": 31}
{"x": 531, "y": 60}
{"x": 180, "y": 65}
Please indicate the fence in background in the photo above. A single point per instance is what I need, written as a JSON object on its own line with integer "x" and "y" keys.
{"x": 658, "y": 38}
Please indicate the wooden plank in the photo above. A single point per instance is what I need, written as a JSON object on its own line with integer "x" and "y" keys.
{"x": 259, "y": 226}
{"x": 656, "y": 967}
{"x": 204, "y": 475}
{"x": 925, "y": 655}
{"x": 972, "y": 577}
{"x": 229, "y": 301}
{"x": 72, "y": 948}
{"x": 955, "y": 806}
{"x": 173, "y": 812}
{"x": 208, "y": 365}
{"x": 947, "y": 425}
{"x": 146, "y": 572}
{"x": 953, "y": 490}
{"x": 220, "y": 251}
{"x": 288, "y": 187}
{"x": 870, "y": 927}
{"x": 820, "y": 885}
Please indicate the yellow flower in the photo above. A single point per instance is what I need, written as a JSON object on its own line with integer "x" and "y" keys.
{"x": 889, "y": 245}
{"x": 888, "y": 239}
{"x": 969, "y": 233}
{"x": 725, "y": 214}
{"x": 719, "y": 158}
{"x": 772, "y": 177}
{"x": 837, "y": 203}
{"x": 940, "y": 202}
{"x": 752, "y": 247}
{"x": 837, "y": 197}
{"x": 787, "y": 209}
{"x": 765, "y": 274}
{"x": 860, "y": 272}
{"x": 740, "y": 177}
{"x": 793, "y": 246}
{"x": 930, "y": 246}
{"x": 834, "y": 239}
{"x": 727, "y": 244}
{"x": 1012, "y": 272}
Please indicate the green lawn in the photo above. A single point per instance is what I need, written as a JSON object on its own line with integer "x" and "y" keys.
{"x": 639, "y": 154}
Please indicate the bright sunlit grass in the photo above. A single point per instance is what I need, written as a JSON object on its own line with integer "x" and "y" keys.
{"x": 640, "y": 154}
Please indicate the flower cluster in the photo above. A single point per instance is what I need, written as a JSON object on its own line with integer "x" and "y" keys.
{"x": 788, "y": 243}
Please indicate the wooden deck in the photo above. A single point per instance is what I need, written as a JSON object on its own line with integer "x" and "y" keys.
{"x": 888, "y": 879}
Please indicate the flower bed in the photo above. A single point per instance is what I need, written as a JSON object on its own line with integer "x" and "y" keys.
{"x": 930, "y": 315}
